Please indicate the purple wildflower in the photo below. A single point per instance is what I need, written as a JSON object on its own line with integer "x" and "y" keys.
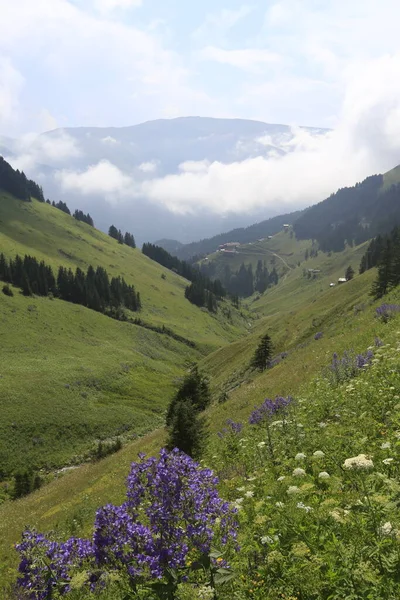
{"x": 387, "y": 311}
{"x": 268, "y": 408}
{"x": 172, "y": 508}
{"x": 318, "y": 335}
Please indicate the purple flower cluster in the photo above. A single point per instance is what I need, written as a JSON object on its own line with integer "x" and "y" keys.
{"x": 349, "y": 365}
{"x": 386, "y": 311}
{"x": 269, "y": 408}
{"x": 46, "y": 564}
{"x": 232, "y": 428}
{"x": 172, "y": 508}
{"x": 318, "y": 335}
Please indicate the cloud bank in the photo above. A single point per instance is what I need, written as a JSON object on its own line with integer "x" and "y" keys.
{"x": 366, "y": 141}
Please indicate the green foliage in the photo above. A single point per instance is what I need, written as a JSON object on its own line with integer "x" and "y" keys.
{"x": 7, "y": 290}
{"x": 349, "y": 274}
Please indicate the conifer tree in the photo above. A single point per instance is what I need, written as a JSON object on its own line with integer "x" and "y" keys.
{"x": 349, "y": 273}
{"x": 262, "y": 354}
{"x": 188, "y": 431}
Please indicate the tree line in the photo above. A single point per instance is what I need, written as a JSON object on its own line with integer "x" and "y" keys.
{"x": 244, "y": 282}
{"x": 93, "y": 288}
{"x": 203, "y": 291}
{"x": 121, "y": 238}
{"x": 16, "y": 183}
{"x": 351, "y": 216}
{"x": 383, "y": 252}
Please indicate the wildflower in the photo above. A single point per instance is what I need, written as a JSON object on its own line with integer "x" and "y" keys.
{"x": 300, "y": 456}
{"x": 268, "y": 408}
{"x": 281, "y": 478}
{"x": 292, "y": 489}
{"x": 324, "y": 475}
{"x": 298, "y": 472}
{"x": 388, "y": 461}
{"x": 261, "y": 445}
{"x": 249, "y": 494}
{"x": 385, "y": 445}
{"x": 241, "y": 488}
{"x": 302, "y": 506}
{"x": 319, "y": 454}
{"x": 279, "y": 504}
{"x": 386, "y": 529}
{"x": 266, "y": 539}
{"x": 322, "y": 425}
{"x": 360, "y": 462}
{"x": 205, "y": 593}
{"x": 251, "y": 478}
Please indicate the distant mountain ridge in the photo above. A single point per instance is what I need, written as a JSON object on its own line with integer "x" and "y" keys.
{"x": 57, "y": 160}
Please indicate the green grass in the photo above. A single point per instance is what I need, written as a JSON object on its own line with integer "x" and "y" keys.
{"x": 70, "y": 376}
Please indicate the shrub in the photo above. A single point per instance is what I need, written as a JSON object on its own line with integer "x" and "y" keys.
{"x": 7, "y": 290}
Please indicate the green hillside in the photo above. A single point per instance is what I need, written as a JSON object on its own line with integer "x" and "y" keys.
{"x": 70, "y": 376}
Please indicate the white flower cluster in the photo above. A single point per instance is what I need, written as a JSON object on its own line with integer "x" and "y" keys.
{"x": 360, "y": 462}
{"x": 267, "y": 539}
{"x": 300, "y": 456}
{"x": 292, "y": 489}
{"x": 299, "y": 472}
{"x": 319, "y": 454}
{"x": 302, "y": 506}
{"x": 324, "y": 475}
{"x": 205, "y": 593}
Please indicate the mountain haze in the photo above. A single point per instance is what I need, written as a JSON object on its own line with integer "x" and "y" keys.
{"x": 121, "y": 174}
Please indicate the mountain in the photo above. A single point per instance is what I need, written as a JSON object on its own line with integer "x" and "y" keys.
{"x": 107, "y": 171}
{"x": 243, "y": 235}
{"x": 353, "y": 215}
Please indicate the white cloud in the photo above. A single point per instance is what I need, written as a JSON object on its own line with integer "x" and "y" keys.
{"x": 148, "y": 167}
{"x": 109, "y": 140}
{"x": 218, "y": 24}
{"x": 366, "y": 141}
{"x": 11, "y": 83}
{"x": 106, "y": 6}
{"x": 249, "y": 59}
{"x": 51, "y": 150}
{"x": 103, "y": 179}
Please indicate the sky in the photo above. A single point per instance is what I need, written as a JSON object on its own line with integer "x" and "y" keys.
{"x": 322, "y": 63}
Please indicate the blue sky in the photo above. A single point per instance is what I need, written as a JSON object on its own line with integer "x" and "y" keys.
{"x": 120, "y": 62}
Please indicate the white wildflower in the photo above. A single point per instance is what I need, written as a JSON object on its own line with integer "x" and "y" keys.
{"x": 261, "y": 445}
{"x": 360, "y": 462}
{"x": 249, "y": 494}
{"x": 304, "y": 507}
{"x": 251, "y": 478}
{"x": 281, "y": 478}
{"x": 279, "y": 504}
{"x": 299, "y": 472}
{"x": 239, "y": 500}
{"x": 386, "y": 529}
{"x": 385, "y": 445}
{"x": 388, "y": 461}
{"x": 300, "y": 456}
{"x": 324, "y": 475}
{"x": 319, "y": 454}
{"x": 241, "y": 489}
{"x": 276, "y": 424}
{"x": 292, "y": 489}
{"x": 322, "y": 425}
{"x": 266, "y": 539}
{"x": 205, "y": 593}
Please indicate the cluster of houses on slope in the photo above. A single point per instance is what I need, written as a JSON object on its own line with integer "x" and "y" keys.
{"x": 229, "y": 247}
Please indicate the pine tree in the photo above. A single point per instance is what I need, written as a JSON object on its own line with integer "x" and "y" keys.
{"x": 194, "y": 388}
{"x": 187, "y": 431}
{"x": 349, "y": 273}
{"x": 263, "y": 354}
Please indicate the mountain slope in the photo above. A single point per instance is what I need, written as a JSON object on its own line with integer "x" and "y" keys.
{"x": 353, "y": 214}
{"x": 70, "y": 376}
